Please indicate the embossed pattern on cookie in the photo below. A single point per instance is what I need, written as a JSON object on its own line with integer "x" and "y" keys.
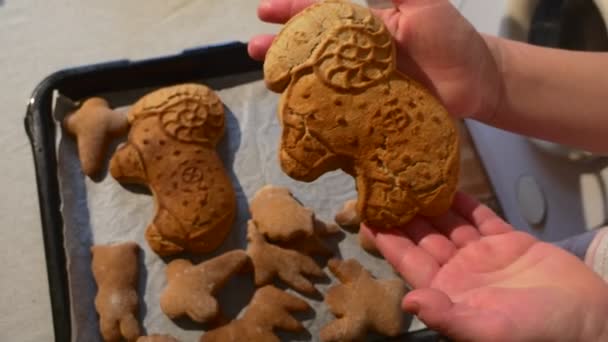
{"x": 344, "y": 105}
{"x": 171, "y": 149}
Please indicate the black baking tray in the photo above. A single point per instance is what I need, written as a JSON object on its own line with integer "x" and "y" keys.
{"x": 123, "y": 75}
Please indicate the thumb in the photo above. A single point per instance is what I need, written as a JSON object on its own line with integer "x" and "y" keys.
{"x": 430, "y": 305}
{"x": 457, "y": 321}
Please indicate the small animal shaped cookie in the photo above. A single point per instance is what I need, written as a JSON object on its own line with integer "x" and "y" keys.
{"x": 115, "y": 270}
{"x": 279, "y": 216}
{"x": 269, "y": 309}
{"x": 271, "y": 261}
{"x": 191, "y": 288}
{"x": 94, "y": 124}
{"x": 314, "y": 244}
{"x": 284, "y": 221}
{"x": 345, "y": 106}
{"x": 171, "y": 149}
{"x": 362, "y": 303}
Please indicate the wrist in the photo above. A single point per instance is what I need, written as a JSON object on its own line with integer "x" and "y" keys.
{"x": 493, "y": 95}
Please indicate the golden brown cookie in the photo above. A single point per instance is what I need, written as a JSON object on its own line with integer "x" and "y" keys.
{"x": 362, "y": 304}
{"x": 270, "y": 261}
{"x": 157, "y": 338}
{"x": 345, "y": 106}
{"x": 115, "y": 270}
{"x": 191, "y": 288}
{"x": 315, "y": 243}
{"x": 171, "y": 149}
{"x": 279, "y": 216}
{"x": 269, "y": 309}
{"x": 94, "y": 124}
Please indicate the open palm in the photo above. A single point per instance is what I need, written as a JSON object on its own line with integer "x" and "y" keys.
{"x": 477, "y": 279}
{"x": 435, "y": 45}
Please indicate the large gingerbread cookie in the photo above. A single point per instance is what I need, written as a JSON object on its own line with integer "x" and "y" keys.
{"x": 171, "y": 149}
{"x": 345, "y": 106}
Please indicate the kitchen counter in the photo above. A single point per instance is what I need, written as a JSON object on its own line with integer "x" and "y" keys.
{"x": 40, "y": 37}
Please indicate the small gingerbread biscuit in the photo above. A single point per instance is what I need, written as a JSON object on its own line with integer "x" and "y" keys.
{"x": 313, "y": 244}
{"x": 190, "y": 288}
{"x": 344, "y": 105}
{"x": 279, "y": 216}
{"x": 362, "y": 303}
{"x": 115, "y": 269}
{"x": 269, "y": 309}
{"x": 94, "y": 124}
{"x": 157, "y": 338}
{"x": 171, "y": 149}
{"x": 270, "y": 261}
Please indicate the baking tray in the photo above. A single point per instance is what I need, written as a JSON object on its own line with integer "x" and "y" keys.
{"x": 123, "y": 75}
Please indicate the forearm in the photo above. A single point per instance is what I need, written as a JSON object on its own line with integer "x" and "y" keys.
{"x": 552, "y": 94}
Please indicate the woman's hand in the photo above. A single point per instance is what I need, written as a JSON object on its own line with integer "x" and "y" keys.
{"x": 475, "y": 278}
{"x": 435, "y": 45}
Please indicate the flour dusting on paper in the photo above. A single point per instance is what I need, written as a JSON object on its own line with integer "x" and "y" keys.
{"x": 103, "y": 211}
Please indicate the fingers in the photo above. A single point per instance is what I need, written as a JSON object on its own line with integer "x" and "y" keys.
{"x": 420, "y": 231}
{"x": 416, "y": 265}
{"x": 430, "y": 305}
{"x": 259, "y": 45}
{"x": 487, "y": 222}
{"x": 456, "y": 228}
{"x": 273, "y": 11}
{"x": 280, "y": 11}
{"x": 422, "y": 234}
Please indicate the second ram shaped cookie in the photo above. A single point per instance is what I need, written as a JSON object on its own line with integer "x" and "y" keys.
{"x": 171, "y": 149}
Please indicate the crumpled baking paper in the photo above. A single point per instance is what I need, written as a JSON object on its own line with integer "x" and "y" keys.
{"x": 102, "y": 211}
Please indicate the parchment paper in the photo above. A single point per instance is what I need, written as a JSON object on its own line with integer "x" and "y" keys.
{"x": 102, "y": 211}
